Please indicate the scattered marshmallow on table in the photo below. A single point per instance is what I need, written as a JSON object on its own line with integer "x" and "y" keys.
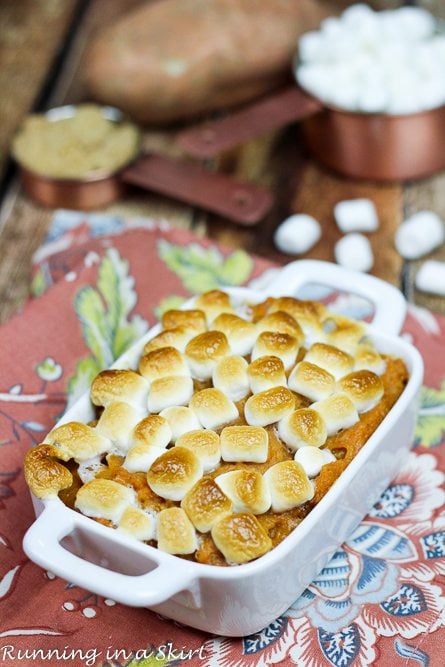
{"x": 419, "y": 235}
{"x": 356, "y": 215}
{"x": 297, "y": 234}
{"x": 354, "y": 251}
{"x": 431, "y": 277}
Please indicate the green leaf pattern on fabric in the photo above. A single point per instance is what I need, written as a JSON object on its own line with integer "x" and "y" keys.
{"x": 40, "y": 282}
{"x": 430, "y": 429}
{"x": 202, "y": 269}
{"x": 108, "y": 329}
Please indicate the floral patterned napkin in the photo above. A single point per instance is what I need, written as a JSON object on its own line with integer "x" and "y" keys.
{"x": 99, "y": 283}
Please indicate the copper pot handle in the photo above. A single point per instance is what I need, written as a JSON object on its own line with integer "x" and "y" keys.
{"x": 276, "y": 110}
{"x": 243, "y": 203}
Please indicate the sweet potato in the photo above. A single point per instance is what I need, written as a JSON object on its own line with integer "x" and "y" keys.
{"x": 174, "y": 59}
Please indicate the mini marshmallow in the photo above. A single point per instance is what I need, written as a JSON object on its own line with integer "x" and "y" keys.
{"x": 163, "y": 362}
{"x": 307, "y": 313}
{"x": 174, "y": 473}
{"x": 181, "y": 420}
{"x": 354, "y": 252}
{"x": 191, "y": 319}
{"x": 117, "y": 422}
{"x": 230, "y": 375}
{"x": 213, "y": 408}
{"x": 338, "y": 412}
{"x": 176, "y": 534}
{"x": 104, "y": 499}
{"x": 281, "y": 322}
{"x": 364, "y": 388}
{"x": 244, "y": 443}
{"x": 311, "y": 381}
{"x": 137, "y": 523}
{"x": 302, "y": 428}
{"x": 205, "y": 504}
{"x": 204, "y": 351}
{"x": 281, "y": 345}
{"x": 177, "y": 337}
{"x": 240, "y": 538}
{"x": 214, "y": 303}
{"x": 431, "y": 277}
{"x": 367, "y": 358}
{"x": 312, "y": 459}
{"x": 240, "y": 333}
{"x": 268, "y": 407}
{"x": 419, "y": 235}
{"x": 288, "y": 485}
{"x": 205, "y": 444}
{"x": 297, "y": 234}
{"x": 119, "y": 385}
{"x": 153, "y": 430}
{"x": 246, "y": 489}
{"x": 141, "y": 457}
{"x": 78, "y": 441}
{"x": 331, "y": 358}
{"x": 344, "y": 333}
{"x": 356, "y": 215}
{"x": 169, "y": 391}
{"x": 265, "y": 373}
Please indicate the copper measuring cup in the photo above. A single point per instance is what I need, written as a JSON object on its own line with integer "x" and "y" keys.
{"x": 373, "y": 146}
{"x": 243, "y": 203}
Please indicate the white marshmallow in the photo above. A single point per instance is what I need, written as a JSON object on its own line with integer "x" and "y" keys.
{"x": 181, "y": 420}
{"x": 297, "y": 234}
{"x": 431, "y": 277}
{"x": 313, "y": 459}
{"x": 419, "y": 235}
{"x": 356, "y": 215}
{"x": 354, "y": 252}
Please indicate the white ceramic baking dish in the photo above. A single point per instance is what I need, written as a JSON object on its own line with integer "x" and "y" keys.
{"x": 240, "y": 600}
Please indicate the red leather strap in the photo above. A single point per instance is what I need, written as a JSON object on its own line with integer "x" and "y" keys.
{"x": 212, "y": 137}
{"x": 243, "y": 203}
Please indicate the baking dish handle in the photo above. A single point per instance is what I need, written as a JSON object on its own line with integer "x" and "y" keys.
{"x": 389, "y": 303}
{"x": 42, "y": 544}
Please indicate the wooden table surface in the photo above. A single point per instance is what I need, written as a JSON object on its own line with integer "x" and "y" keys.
{"x": 42, "y": 43}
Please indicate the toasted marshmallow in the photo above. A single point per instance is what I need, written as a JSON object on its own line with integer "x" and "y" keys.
{"x": 169, "y": 391}
{"x": 230, "y": 375}
{"x": 277, "y": 344}
{"x": 240, "y": 333}
{"x": 214, "y": 303}
{"x": 119, "y": 385}
{"x": 44, "y": 474}
{"x": 176, "y": 534}
{"x": 313, "y": 459}
{"x": 79, "y": 441}
{"x": 104, "y": 499}
{"x": 240, "y": 538}
{"x": 141, "y": 457}
{"x": 333, "y": 360}
{"x": 337, "y": 411}
{"x": 364, "y": 388}
{"x": 288, "y": 485}
{"x": 269, "y": 406}
{"x": 181, "y": 420}
{"x": 88, "y": 470}
{"x": 213, "y": 408}
{"x": 163, "y": 362}
{"x": 204, "y": 351}
{"x": 137, "y": 523}
{"x": 177, "y": 337}
{"x": 311, "y": 381}
{"x": 117, "y": 422}
{"x": 301, "y": 428}
{"x": 281, "y": 322}
{"x": 190, "y": 319}
{"x": 153, "y": 430}
{"x": 344, "y": 333}
{"x": 203, "y": 443}
{"x": 246, "y": 489}
{"x": 367, "y": 358}
{"x": 265, "y": 373}
{"x": 244, "y": 443}
{"x": 174, "y": 473}
{"x": 205, "y": 503}
{"x": 308, "y": 314}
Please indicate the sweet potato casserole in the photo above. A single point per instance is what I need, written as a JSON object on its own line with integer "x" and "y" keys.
{"x": 238, "y": 420}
